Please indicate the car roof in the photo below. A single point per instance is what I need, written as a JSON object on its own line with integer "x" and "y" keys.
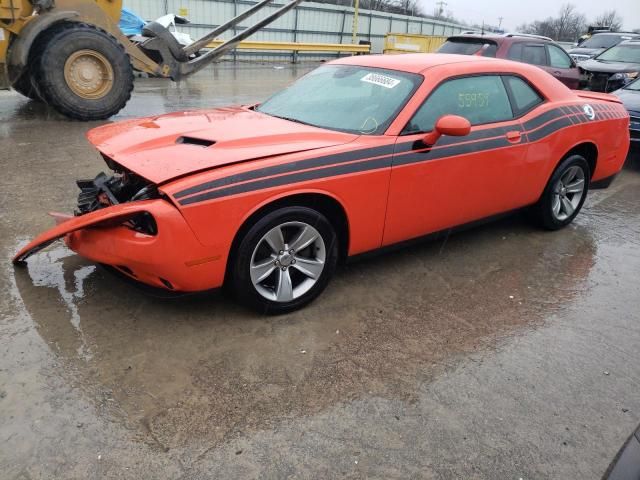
{"x": 631, "y": 41}
{"x": 631, "y": 34}
{"x": 498, "y": 38}
{"x": 411, "y": 62}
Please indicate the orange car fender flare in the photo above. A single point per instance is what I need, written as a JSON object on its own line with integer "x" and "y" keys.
{"x": 557, "y": 162}
{"x": 292, "y": 193}
{"x": 575, "y": 145}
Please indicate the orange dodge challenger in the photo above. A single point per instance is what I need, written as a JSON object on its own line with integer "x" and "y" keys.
{"x": 361, "y": 153}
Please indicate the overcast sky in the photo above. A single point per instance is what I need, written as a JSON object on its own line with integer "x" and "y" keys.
{"x": 520, "y": 11}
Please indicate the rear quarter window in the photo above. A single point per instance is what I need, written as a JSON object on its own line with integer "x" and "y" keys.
{"x": 523, "y": 96}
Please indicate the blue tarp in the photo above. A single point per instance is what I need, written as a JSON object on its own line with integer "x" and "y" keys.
{"x": 130, "y": 23}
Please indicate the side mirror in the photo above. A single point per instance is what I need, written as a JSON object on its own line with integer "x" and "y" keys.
{"x": 452, "y": 125}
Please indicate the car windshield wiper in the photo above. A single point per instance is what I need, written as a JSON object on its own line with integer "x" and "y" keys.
{"x": 291, "y": 119}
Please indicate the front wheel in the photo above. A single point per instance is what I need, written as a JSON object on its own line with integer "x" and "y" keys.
{"x": 284, "y": 260}
{"x": 564, "y": 195}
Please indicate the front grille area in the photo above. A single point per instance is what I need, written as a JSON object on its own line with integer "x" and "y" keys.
{"x": 597, "y": 82}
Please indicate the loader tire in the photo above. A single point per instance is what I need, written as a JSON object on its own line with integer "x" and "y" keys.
{"x": 24, "y": 86}
{"x": 83, "y": 72}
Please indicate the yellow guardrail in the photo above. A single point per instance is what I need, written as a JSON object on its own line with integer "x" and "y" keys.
{"x": 412, "y": 43}
{"x": 297, "y": 46}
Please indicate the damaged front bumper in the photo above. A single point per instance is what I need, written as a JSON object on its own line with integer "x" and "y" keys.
{"x": 145, "y": 239}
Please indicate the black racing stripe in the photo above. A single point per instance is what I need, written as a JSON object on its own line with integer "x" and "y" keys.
{"x": 450, "y": 152}
{"x": 570, "y": 115}
{"x": 577, "y": 110}
{"x": 382, "y": 162}
{"x": 548, "y": 129}
{"x": 289, "y": 167}
{"x": 542, "y": 119}
{"x": 445, "y": 141}
{"x": 552, "y": 120}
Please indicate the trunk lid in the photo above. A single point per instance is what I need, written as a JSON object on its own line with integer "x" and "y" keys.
{"x": 169, "y": 146}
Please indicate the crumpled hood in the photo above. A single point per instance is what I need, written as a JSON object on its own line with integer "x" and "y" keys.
{"x": 169, "y": 146}
{"x": 594, "y": 65}
{"x": 586, "y": 51}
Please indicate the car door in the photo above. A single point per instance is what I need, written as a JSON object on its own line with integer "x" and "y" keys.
{"x": 562, "y": 67}
{"x": 458, "y": 179}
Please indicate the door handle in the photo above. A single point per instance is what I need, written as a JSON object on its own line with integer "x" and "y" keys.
{"x": 514, "y": 136}
{"x": 557, "y": 73}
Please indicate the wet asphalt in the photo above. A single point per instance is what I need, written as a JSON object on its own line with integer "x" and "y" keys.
{"x": 502, "y": 352}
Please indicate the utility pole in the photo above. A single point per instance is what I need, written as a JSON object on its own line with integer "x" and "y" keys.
{"x": 354, "y": 26}
{"x": 441, "y": 4}
{"x": 500, "y": 22}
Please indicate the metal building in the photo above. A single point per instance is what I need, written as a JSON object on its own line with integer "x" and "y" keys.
{"x": 309, "y": 22}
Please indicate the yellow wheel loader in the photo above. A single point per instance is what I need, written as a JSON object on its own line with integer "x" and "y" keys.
{"x": 72, "y": 55}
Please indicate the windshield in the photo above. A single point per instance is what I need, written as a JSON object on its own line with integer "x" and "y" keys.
{"x": 621, "y": 53}
{"x": 601, "y": 41}
{"x": 635, "y": 85}
{"x": 345, "y": 97}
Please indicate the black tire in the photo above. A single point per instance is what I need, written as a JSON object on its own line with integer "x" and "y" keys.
{"x": 239, "y": 273}
{"x": 542, "y": 212}
{"x": 59, "y": 44}
{"x": 24, "y": 86}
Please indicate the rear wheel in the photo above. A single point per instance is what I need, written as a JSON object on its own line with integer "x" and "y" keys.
{"x": 564, "y": 195}
{"x": 284, "y": 260}
{"x": 83, "y": 72}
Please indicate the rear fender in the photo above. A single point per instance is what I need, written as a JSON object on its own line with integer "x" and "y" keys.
{"x": 107, "y": 216}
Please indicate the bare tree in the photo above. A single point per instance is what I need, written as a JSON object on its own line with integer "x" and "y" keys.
{"x": 567, "y": 26}
{"x": 611, "y": 19}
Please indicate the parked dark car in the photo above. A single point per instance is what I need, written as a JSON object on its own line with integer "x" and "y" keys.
{"x": 598, "y": 43}
{"x": 630, "y": 96}
{"x": 626, "y": 464}
{"x": 613, "y": 68}
{"x": 533, "y": 49}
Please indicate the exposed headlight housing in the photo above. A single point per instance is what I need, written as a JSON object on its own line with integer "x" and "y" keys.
{"x": 625, "y": 76}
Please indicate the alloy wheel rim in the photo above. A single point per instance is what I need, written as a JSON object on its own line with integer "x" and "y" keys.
{"x": 287, "y": 261}
{"x": 88, "y": 74}
{"x": 567, "y": 193}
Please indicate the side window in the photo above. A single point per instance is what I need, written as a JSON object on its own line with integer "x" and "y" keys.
{"x": 515, "y": 52}
{"x": 480, "y": 99}
{"x": 524, "y": 97}
{"x": 534, "y": 54}
{"x": 558, "y": 58}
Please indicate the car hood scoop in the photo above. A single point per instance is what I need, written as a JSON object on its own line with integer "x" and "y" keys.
{"x": 173, "y": 145}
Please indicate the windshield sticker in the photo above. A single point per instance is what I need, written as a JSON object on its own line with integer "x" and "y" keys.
{"x": 380, "y": 80}
{"x": 473, "y": 100}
